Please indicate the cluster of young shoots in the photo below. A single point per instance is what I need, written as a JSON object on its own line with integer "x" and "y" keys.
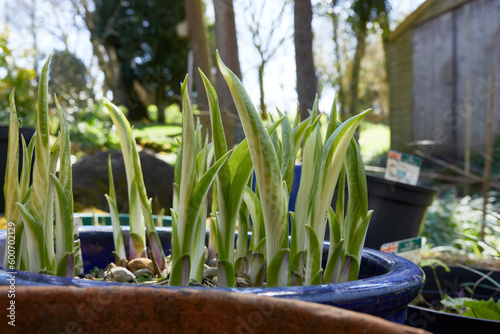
{"x": 274, "y": 255}
{"x": 271, "y": 153}
{"x": 31, "y": 210}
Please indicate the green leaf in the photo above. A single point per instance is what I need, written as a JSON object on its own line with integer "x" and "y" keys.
{"x": 11, "y": 186}
{"x": 179, "y": 275}
{"x": 242, "y": 242}
{"x": 332, "y": 120}
{"x": 261, "y": 247}
{"x": 288, "y": 154}
{"x": 241, "y": 266}
{"x": 277, "y": 270}
{"x": 188, "y": 172}
{"x": 26, "y": 169}
{"x": 219, "y": 138}
{"x": 434, "y": 263}
{"x": 64, "y": 221}
{"x": 226, "y": 276}
{"x": 299, "y": 132}
{"x": 265, "y": 161}
{"x": 332, "y": 157}
{"x": 117, "y": 231}
{"x": 255, "y": 209}
{"x": 212, "y": 238}
{"x": 63, "y": 197}
{"x": 137, "y": 247}
{"x": 475, "y": 308}
{"x": 41, "y": 180}
{"x": 198, "y": 197}
{"x": 340, "y": 204}
{"x": 65, "y": 172}
{"x": 129, "y": 150}
{"x": 484, "y": 276}
{"x": 310, "y": 163}
{"x": 334, "y": 264}
{"x": 36, "y": 241}
{"x": 313, "y": 262}
{"x": 256, "y": 268}
{"x": 176, "y": 248}
{"x": 66, "y": 266}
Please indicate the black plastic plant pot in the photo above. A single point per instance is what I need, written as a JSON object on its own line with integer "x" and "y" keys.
{"x": 399, "y": 210}
{"x": 453, "y": 284}
{"x": 386, "y": 286}
{"x": 4, "y": 145}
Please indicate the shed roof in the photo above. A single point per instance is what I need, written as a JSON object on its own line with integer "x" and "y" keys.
{"x": 425, "y": 12}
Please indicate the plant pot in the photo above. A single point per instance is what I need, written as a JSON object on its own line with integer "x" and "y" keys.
{"x": 105, "y": 219}
{"x": 452, "y": 284}
{"x": 137, "y": 309}
{"x": 4, "y": 145}
{"x": 387, "y": 282}
{"x": 398, "y": 210}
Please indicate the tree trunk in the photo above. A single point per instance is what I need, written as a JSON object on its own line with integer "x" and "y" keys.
{"x": 356, "y": 66}
{"x": 198, "y": 36}
{"x": 263, "y": 107}
{"x": 226, "y": 43}
{"x": 307, "y": 83}
{"x": 338, "y": 65}
{"x": 106, "y": 58}
{"x": 161, "y": 103}
{"x": 130, "y": 99}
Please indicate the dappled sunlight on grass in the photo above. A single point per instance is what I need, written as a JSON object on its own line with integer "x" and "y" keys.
{"x": 374, "y": 140}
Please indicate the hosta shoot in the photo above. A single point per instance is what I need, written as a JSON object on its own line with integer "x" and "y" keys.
{"x": 34, "y": 244}
{"x": 272, "y": 189}
{"x": 192, "y": 193}
{"x": 141, "y": 215}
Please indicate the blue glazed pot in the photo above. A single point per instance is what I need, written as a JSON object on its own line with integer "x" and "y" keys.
{"x": 387, "y": 283}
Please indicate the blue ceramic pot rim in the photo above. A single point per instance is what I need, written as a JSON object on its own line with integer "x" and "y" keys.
{"x": 400, "y": 283}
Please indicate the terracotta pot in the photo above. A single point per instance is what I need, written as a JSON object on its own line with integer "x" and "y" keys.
{"x": 142, "y": 310}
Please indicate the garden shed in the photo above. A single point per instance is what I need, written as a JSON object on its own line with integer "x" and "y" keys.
{"x": 443, "y": 61}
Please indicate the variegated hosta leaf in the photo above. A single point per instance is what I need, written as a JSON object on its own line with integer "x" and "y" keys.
{"x": 115, "y": 220}
{"x": 179, "y": 274}
{"x": 265, "y": 161}
{"x": 313, "y": 267}
{"x": 11, "y": 188}
{"x": 256, "y": 268}
{"x": 332, "y": 157}
{"x": 127, "y": 144}
{"x": 40, "y": 200}
{"x": 35, "y": 241}
{"x": 310, "y": 165}
{"x": 277, "y": 270}
{"x": 64, "y": 225}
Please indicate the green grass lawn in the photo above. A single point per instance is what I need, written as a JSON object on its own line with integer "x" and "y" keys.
{"x": 374, "y": 138}
{"x": 374, "y": 141}
{"x": 156, "y": 132}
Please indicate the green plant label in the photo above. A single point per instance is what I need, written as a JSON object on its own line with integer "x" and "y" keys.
{"x": 402, "y": 167}
{"x": 408, "y": 248}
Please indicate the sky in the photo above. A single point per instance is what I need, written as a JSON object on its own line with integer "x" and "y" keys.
{"x": 279, "y": 80}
